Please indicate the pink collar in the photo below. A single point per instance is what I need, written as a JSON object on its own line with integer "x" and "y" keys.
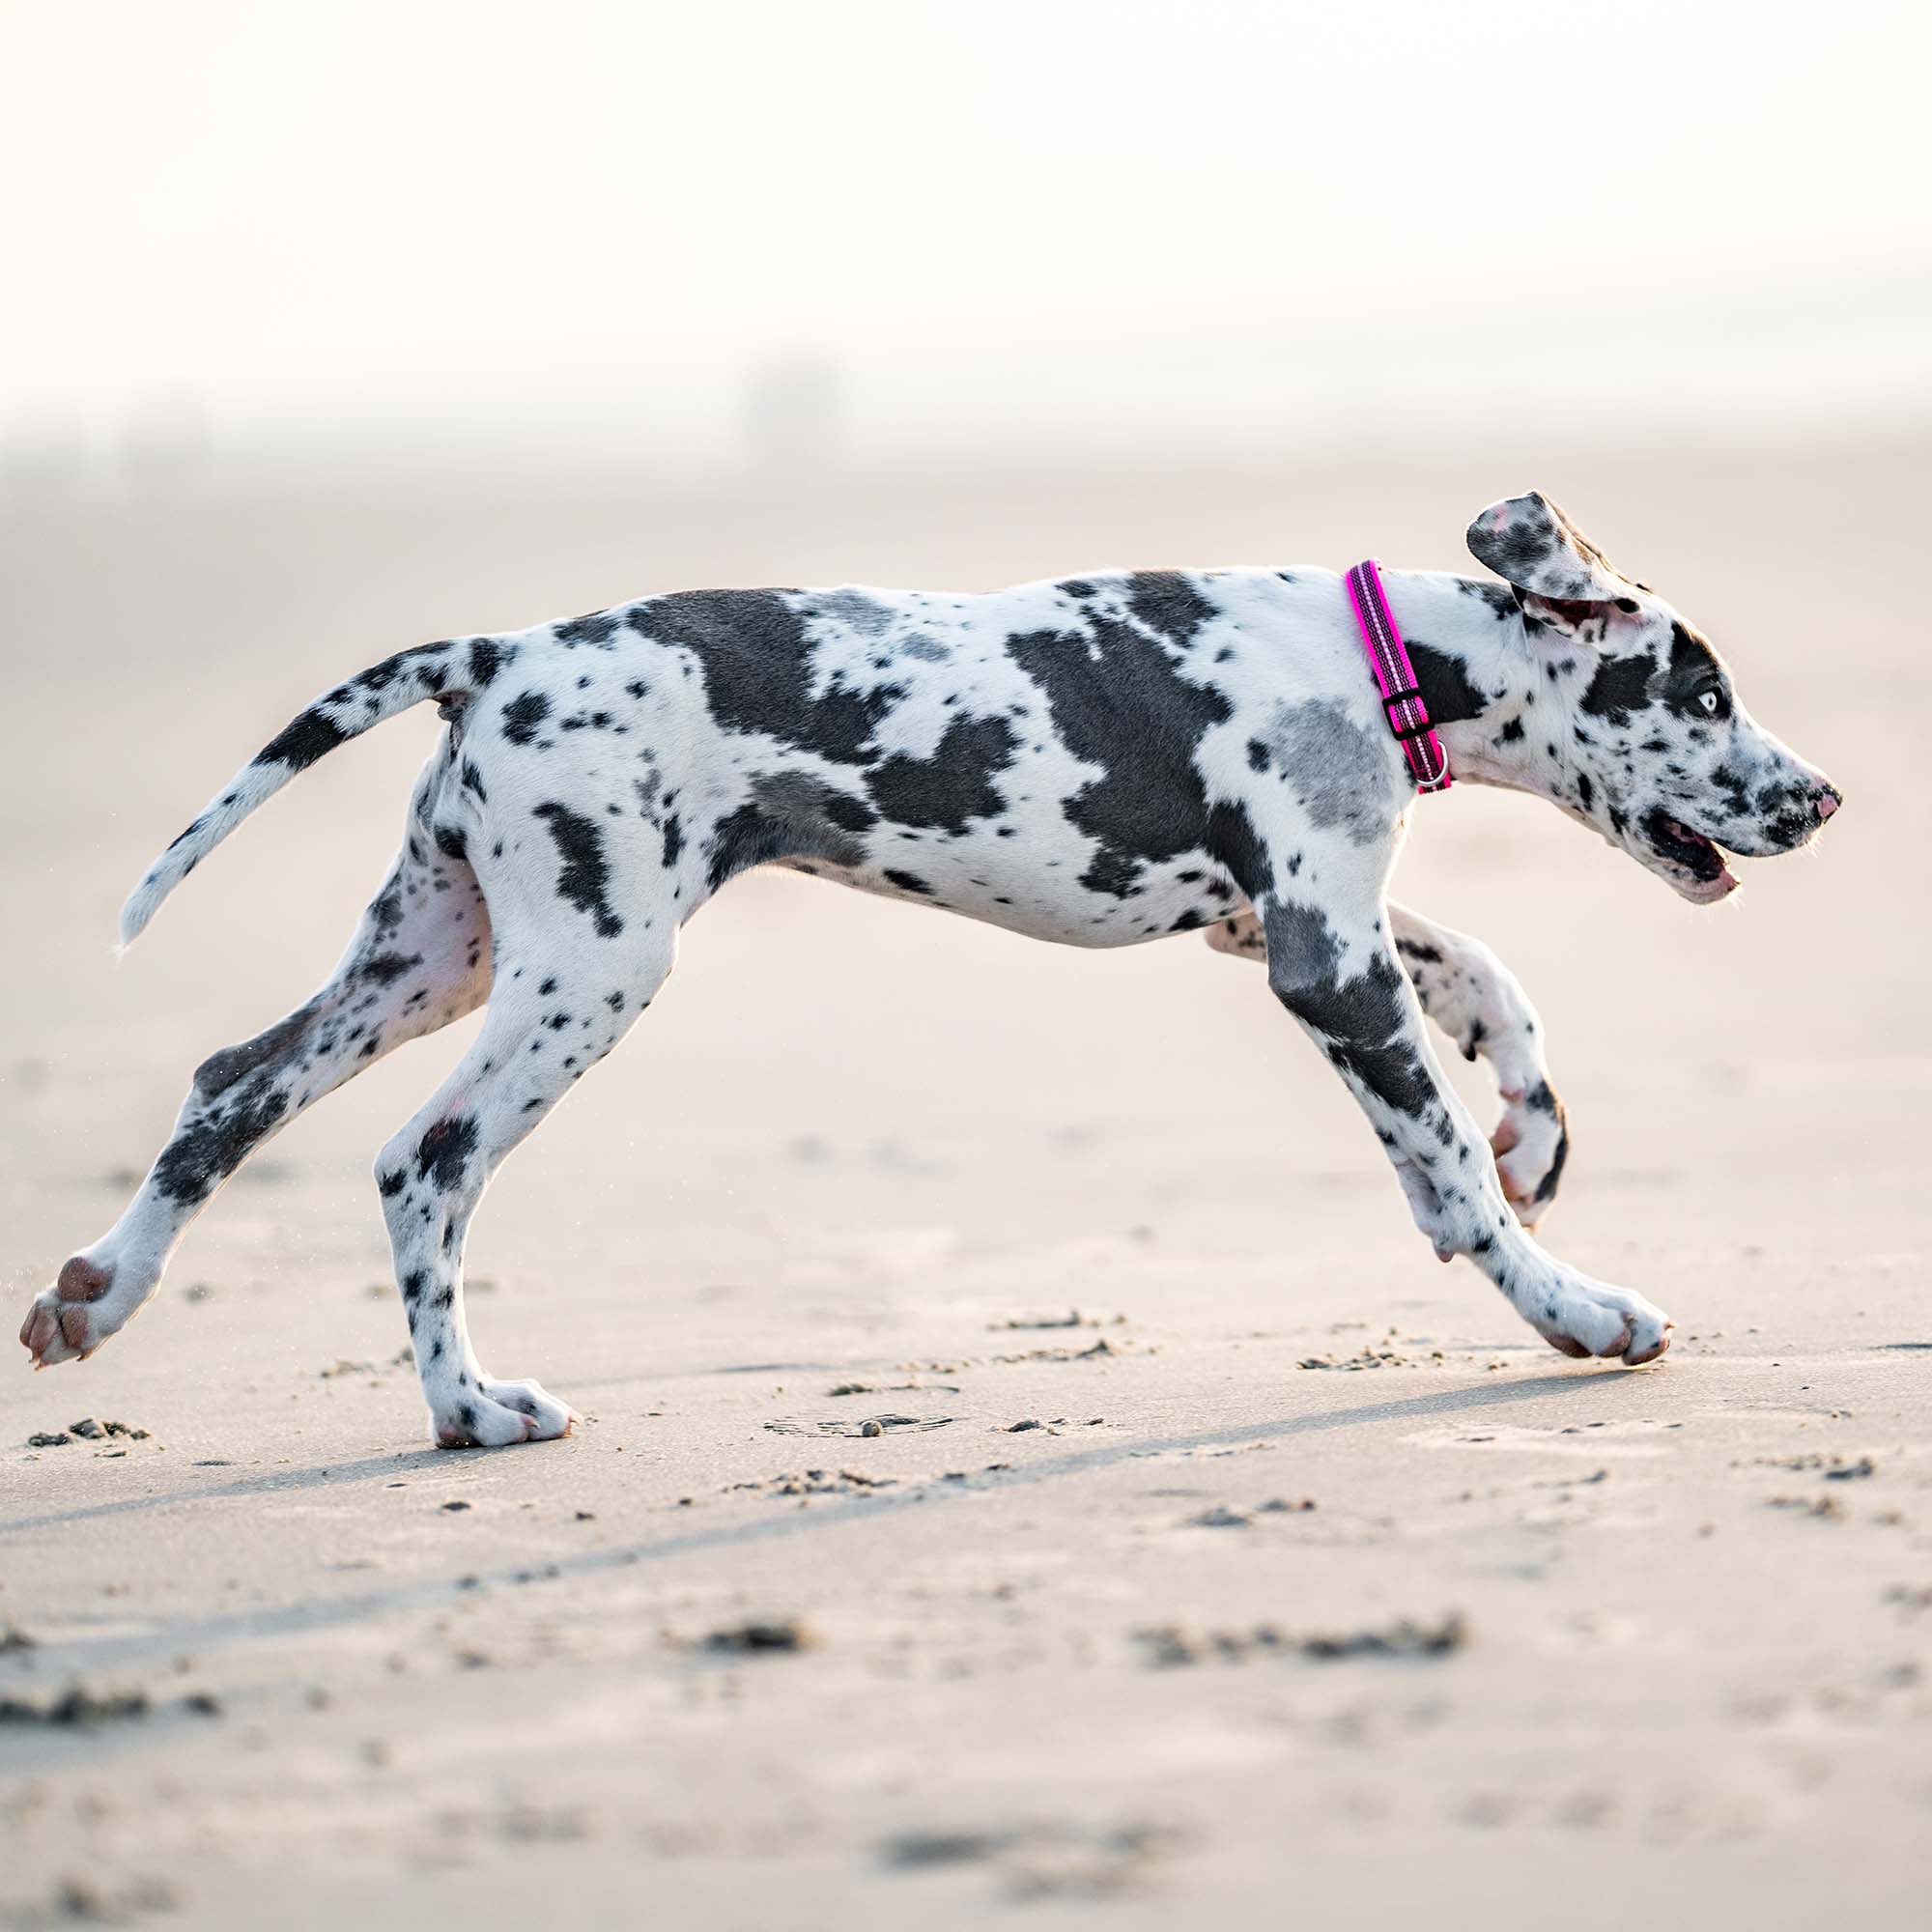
{"x": 1402, "y": 701}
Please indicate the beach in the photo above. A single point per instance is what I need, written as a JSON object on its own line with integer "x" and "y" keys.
{"x": 1031, "y": 1465}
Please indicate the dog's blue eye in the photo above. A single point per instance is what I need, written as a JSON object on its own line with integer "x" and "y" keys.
{"x": 1711, "y": 701}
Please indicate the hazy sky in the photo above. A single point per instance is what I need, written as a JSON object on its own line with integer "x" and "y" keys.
{"x": 314, "y": 214}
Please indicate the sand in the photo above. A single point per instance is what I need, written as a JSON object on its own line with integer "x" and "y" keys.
{"x": 1218, "y": 1557}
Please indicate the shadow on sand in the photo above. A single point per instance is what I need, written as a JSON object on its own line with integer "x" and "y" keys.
{"x": 169, "y": 1638}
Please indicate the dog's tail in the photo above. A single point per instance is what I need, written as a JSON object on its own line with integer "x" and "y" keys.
{"x": 430, "y": 670}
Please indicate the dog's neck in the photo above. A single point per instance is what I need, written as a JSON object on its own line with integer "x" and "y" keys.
{"x": 1481, "y": 679}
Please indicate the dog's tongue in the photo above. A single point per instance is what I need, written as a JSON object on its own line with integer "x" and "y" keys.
{"x": 1704, "y": 861}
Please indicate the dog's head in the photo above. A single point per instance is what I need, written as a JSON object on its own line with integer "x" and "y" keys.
{"x": 1656, "y": 751}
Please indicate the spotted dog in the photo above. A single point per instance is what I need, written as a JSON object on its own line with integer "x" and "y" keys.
{"x": 1101, "y": 760}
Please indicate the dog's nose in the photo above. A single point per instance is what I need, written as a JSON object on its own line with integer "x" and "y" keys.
{"x": 1825, "y": 800}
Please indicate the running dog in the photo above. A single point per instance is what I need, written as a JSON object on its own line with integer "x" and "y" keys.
{"x": 1099, "y": 760}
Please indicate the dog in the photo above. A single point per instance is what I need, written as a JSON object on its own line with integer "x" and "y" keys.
{"x": 1098, "y": 760}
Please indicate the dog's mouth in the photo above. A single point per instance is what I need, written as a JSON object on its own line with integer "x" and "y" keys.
{"x": 1692, "y": 863}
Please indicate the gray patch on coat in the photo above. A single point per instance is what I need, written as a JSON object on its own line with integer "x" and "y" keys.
{"x": 864, "y": 615}
{"x": 1340, "y": 772}
{"x": 928, "y": 651}
{"x": 789, "y": 817}
{"x": 273, "y": 1048}
{"x": 1301, "y": 947}
{"x": 823, "y": 816}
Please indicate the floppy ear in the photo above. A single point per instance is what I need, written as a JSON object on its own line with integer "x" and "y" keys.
{"x": 1531, "y": 544}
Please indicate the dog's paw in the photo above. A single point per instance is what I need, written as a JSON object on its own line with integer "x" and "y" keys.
{"x": 1531, "y": 1144}
{"x": 70, "y": 1320}
{"x": 1582, "y": 1317}
{"x": 536, "y": 1405}
{"x": 497, "y": 1414}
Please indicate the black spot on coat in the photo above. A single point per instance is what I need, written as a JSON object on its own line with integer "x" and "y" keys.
{"x": 597, "y": 628}
{"x": 757, "y": 669}
{"x": 1119, "y": 704}
{"x": 385, "y": 968}
{"x": 301, "y": 742}
{"x": 522, "y": 717}
{"x": 1363, "y": 1019}
{"x": 486, "y": 657}
{"x": 1233, "y": 843}
{"x": 1443, "y": 679}
{"x": 1164, "y": 601}
{"x": 1620, "y": 686}
{"x": 953, "y": 786}
{"x": 445, "y": 1150}
{"x": 211, "y": 1149}
{"x": 584, "y": 879}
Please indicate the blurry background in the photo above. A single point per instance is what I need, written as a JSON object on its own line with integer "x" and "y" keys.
{"x": 329, "y": 330}
{"x": 726, "y": 237}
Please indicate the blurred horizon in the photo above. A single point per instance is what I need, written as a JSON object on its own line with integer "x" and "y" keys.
{"x": 880, "y": 236}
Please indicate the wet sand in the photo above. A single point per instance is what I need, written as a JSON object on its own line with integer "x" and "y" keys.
{"x": 1219, "y": 1557}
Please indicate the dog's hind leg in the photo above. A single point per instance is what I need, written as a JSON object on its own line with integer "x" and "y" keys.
{"x": 1480, "y": 1004}
{"x": 419, "y": 959}
{"x": 559, "y": 1004}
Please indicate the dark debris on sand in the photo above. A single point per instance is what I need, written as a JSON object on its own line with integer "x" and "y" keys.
{"x": 1040, "y": 1860}
{"x": 856, "y": 1426}
{"x": 79, "y": 1708}
{"x": 816, "y": 1483}
{"x": 1372, "y": 1356}
{"x": 86, "y": 1430}
{"x": 76, "y": 1708}
{"x": 761, "y": 1637}
{"x": 1173, "y": 1645}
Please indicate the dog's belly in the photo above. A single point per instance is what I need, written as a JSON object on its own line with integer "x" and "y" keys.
{"x": 986, "y": 881}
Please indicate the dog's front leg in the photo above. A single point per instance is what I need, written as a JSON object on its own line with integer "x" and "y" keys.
{"x": 1480, "y": 1004}
{"x": 1333, "y": 965}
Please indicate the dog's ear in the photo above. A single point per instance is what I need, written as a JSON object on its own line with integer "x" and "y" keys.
{"x": 1530, "y": 543}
